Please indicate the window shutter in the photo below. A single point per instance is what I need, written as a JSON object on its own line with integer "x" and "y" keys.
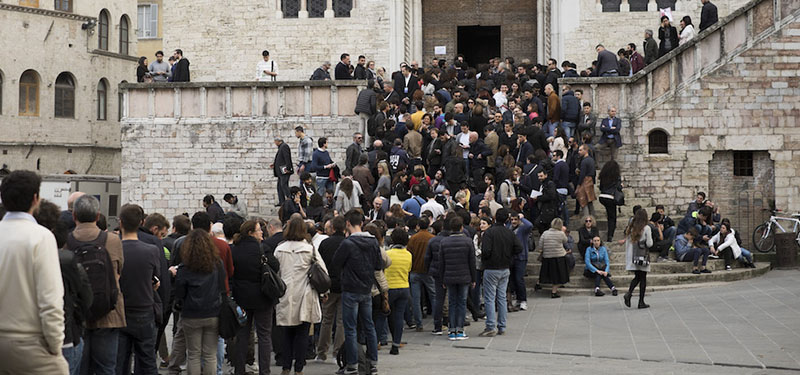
{"x": 153, "y": 21}
{"x": 140, "y": 21}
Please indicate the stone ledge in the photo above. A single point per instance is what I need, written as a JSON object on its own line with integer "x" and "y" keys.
{"x": 240, "y": 84}
{"x": 46, "y": 12}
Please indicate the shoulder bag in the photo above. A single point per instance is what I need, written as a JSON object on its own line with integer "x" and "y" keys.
{"x": 231, "y": 316}
{"x": 272, "y": 285}
{"x": 641, "y": 255}
{"x": 317, "y": 275}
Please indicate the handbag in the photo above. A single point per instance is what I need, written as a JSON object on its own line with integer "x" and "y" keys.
{"x": 317, "y": 276}
{"x": 272, "y": 285}
{"x": 287, "y": 169}
{"x": 231, "y": 316}
{"x": 619, "y": 197}
{"x": 641, "y": 255}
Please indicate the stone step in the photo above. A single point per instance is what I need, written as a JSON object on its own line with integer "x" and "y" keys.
{"x": 666, "y": 279}
{"x": 655, "y": 268}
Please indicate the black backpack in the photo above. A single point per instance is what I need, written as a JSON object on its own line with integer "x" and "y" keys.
{"x": 93, "y": 257}
{"x": 372, "y": 124}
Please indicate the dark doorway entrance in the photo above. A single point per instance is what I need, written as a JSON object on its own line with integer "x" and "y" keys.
{"x": 478, "y": 44}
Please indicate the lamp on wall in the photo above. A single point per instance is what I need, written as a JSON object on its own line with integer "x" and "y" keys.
{"x": 89, "y": 25}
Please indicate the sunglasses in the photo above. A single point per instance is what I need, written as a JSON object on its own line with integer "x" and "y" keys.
{"x": 587, "y": 221}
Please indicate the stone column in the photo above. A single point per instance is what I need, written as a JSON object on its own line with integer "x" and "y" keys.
{"x": 329, "y": 9}
{"x": 303, "y": 13}
{"x": 416, "y": 31}
{"x": 540, "y": 30}
{"x": 623, "y": 7}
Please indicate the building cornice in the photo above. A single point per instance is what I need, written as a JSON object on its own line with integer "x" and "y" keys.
{"x": 61, "y": 145}
{"x": 46, "y": 12}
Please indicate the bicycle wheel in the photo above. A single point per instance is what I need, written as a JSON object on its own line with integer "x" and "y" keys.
{"x": 764, "y": 238}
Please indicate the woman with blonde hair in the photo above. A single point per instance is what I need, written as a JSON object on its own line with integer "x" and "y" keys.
{"x": 555, "y": 269}
{"x": 384, "y": 179}
{"x": 299, "y": 307}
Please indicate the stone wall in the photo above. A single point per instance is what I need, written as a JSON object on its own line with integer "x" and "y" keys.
{"x": 217, "y": 138}
{"x": 734, "y": 89}
{"x": 224, "y": 42}
{"x": 584, "y": 25}
{"x": 50, "y": 43}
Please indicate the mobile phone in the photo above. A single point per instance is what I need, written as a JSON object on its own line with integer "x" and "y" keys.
{"x": 156, "y": 280}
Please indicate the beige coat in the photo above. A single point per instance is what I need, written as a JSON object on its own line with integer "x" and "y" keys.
{"x": 301, "y": 302}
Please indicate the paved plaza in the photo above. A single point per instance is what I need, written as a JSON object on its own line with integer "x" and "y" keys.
{"x": 744, "y": 327}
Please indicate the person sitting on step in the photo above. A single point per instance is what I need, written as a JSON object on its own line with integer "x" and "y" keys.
{"x": 598, "y": 266}
{"x": 724, "y": 242}
{"x": 686, "y": 250}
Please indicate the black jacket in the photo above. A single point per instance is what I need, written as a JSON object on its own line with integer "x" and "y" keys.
{"x": 432, "y": 254}
{"x": 708, "y": 16}
{"x": 360, "y": 72}
{"x": 181, "y": 72}
{"x": 479, "y": 148}
{"x": 538, "y": 139}
{"x": 327, "y": 249}
{"x": 77, "y": 296}
{"x": 662, "y": 37}
{"x": 499, "y": 246}
{"x": 606, "y": 62}
{"x": 282, "y": 159}
{"x": 162, "y": 296}
{"x": 570, "y": 107}
{"x": 358, "y": 257}
{"x": 342, "y": 71}
{"x": 650, "y": 51}
{"x": 197, "y": 293}
{"x": 352, "y": 154}
{"x": 320, "y": 75}
{"x": 400, "y": 86}
{"x": 457, "y": 259}
{"x": 366, "y": 102}
{"x": 269, "y": 244}
{"x": 246, "y": 281}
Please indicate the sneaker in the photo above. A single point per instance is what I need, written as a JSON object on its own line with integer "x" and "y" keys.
{"x": 395, "y": 350}
{"x": 705, "y": 270}
{"x": 712, "y": 256}
{"x": 351, "y": 371}
{"x": 373, "y": 370}
{"x": 727, "y": 268}
{"x": 419, "y": 329}
{"x": 253, "y": 369}
{"x": 501, "y": 332}
{"x": 488, "y": 333}
{"x": 321, "y": 358}
{"x": 461, "y": 336}
{"x": 163, "y": 364}
{"x": 696, "y": 272}
{"x": 523, "y": 305}
{"x": 598, "y": 293}
{"x": 340, "y": 371}
{"x": 451, "y": 336}
{"x": 436, "y": 332}
{"x": 614, "y": 292}
{"x": 412, "y": 326}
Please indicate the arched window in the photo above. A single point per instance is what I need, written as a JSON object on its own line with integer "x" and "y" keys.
{"x": 658, "y": 142}
{"x": 638, "y": 5}
{"x": 290, "y": 8}
{"x": 63, "y": 5}
{"x": 123, "y": 35}
{"x": 102, "y": 99}
{"x": 29, "y": 93}
{"x": 316, "y": 8}
{"x": 65, "y": 96}
{"x": 611, "y": 5}
{"x": 342, "y": 8}
{"x": 102, "y": 30}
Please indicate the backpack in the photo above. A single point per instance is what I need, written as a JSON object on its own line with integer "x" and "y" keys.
{"x": 373, "y": 124}
{"x": 93, "y": 257}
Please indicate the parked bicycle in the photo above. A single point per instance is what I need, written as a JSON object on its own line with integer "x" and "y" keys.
{"x": 764, "y": 234}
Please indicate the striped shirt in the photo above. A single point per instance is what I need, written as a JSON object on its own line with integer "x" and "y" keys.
{"x": 305, "y": 150}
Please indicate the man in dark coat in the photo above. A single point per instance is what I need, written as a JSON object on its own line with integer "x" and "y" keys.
{"x": 342, "y": 70}
{"x": 353, "y": 153}
{"x": 327, "y": 250}
{"x": 610, "y": 128}
{"x": 668, "y": 35}
{"x": 406, "y": 84}
{"x": 282, "y": 169}
{"x": 708, "y": 15}
{"x": 322, "y": 74}
{"x": 360, "y": 71}
{"x": 606, "y": 63}
{"x": 181, "y": 71}
{"x": 650, "y": 48}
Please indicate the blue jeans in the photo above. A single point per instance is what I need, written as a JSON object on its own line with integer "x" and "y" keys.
{"x": 322, "y": 185}
{"x": 358, "y": 308}
{"x": 550, "y": 129}
{"x": 495, "y": 283}
{"x": 518, "y": 279}
{"x": 398, "y": 301}
{"x": 419, "y": 281}
{"x": 693, "y": 255}
{"x": 220, "y": 354}
{"x": 100, "y": 351}
{"x": 669, "y": 233}
{"x": 139, "y": 338}
{"x": 564, "y": 209}
{"x": 381, "y": 321}
{"x": 610, "y": 74}
{"x": 438, "y": 304}
{"x": 457, "y": 297}
{"x": 569, "y": 128}
{"x": 73, "y": 356}
{"x": 746, "y": 254}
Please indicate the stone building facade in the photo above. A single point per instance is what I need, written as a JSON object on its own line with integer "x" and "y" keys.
{"x": 59, "y": 102}
{"x": 225, "y": 43}
{"x": 719, "y": 115}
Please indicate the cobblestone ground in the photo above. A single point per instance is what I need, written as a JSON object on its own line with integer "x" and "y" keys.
{"x": 745, "y": 327}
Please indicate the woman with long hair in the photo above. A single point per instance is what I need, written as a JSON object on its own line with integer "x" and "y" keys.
{"x": 586, "y": 234}
{"x": 141, "y": 70}
{"x": 344, "y": 198}
{"x": 687, "y": 30}
{"x": 598, "y": 266}
{"x": 246, "y": 287}
{"x": 299, "y": 308}
{"x": 638, "y": 236}
{"x": 400, "y": 186}
{"x": 477, "y": 121}
{"x": 198, "y": 284}
{"x": 384, "y": 179}
{"x": 610, "y": 183}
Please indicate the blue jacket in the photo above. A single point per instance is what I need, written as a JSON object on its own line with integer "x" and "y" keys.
{"x": 570, "y": 107}
{"x": 413, "y": 205}
{"x": 319, "y": 159}
{"x": 598, "y": 256}
{"x": 681, "y": 247}
{"x": 358, "y": 257}
{"x": 523, "y": 233}
{"x": 608, "y": 133}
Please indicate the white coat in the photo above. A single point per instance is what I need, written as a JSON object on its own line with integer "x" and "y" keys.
{"x": 301, "y": 302}
{"x": 730, "y": 241}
